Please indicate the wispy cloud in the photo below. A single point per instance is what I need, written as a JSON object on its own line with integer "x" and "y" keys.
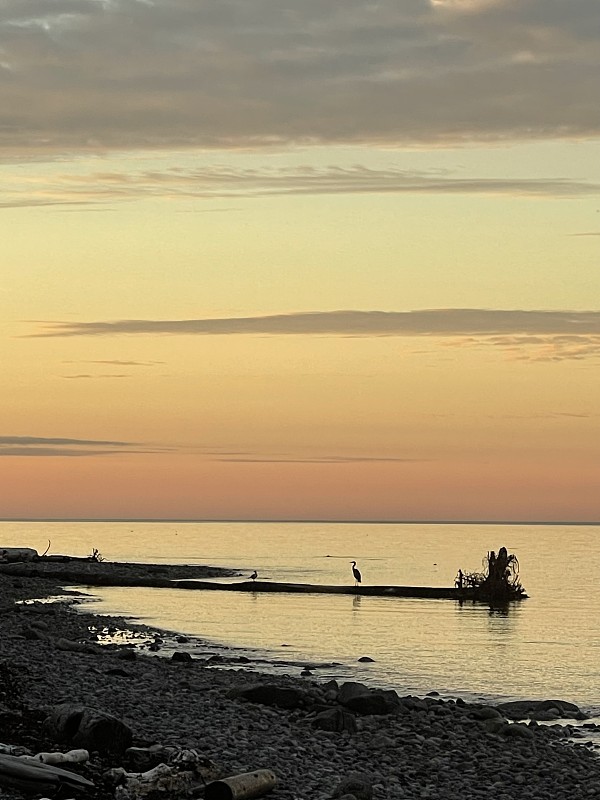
{"x": 117, "y": 362}
{"x": 428, "y": 322}
{"x": 324, "y": 459}
{"x": 87, "y": 376}
{"x": 219, "y": 182}
{"x": 65, "y": 447}
{"x": 91, "y": 76}
{"x": 523, "y": 334}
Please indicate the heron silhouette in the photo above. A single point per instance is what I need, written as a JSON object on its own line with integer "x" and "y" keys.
{"x": 254, "y": 575}
{"x": 356, "y": 573}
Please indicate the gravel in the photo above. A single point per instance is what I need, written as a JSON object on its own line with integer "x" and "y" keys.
{"x": 426, "y": 748}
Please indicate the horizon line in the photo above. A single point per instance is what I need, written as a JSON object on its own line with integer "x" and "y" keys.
{"x": 186, "y": 520}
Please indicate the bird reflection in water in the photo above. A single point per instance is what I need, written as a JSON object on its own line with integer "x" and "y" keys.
{"x": 356, "y": 601}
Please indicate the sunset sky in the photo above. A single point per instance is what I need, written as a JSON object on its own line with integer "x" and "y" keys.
{"x": 295, "y": 259}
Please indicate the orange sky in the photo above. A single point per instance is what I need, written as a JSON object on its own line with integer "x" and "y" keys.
{"x": 310, "y": 263}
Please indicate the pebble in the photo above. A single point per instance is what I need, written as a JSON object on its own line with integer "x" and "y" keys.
{"x": 431, "y": 749}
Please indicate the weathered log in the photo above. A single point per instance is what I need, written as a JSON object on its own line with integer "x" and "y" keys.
{"x": 30, "y": 775}
{"x": 427, "y": 592}
{"x": 245, "y": 786}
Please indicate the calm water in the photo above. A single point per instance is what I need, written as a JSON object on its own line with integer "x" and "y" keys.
{"x": 547, "y": 646}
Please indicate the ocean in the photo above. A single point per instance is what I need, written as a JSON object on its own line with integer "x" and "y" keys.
{"x": 546, "y": 646}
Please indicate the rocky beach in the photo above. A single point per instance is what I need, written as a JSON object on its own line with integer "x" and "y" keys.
{"x": 136, "y": 698}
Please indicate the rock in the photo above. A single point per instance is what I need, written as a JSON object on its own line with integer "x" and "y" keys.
{"x": 366, "y": 660}
{"x": 523, "y": 709}
{"x": 76, "y": 647}
{"x": 182, "y": 657}
{"x": 269, "y": 694}
{"x": 486, "y": 712}
{"x": 141, "y": 759}
{"x": 88, "y": 728}
{"x": 351, "y": 689}
{"x": 127, "y": 654}
{"x": 335, "y": 719}
{"x": 32, "y": 634}
{"x": 518, "y": 731}
{"x": 495, "y": 725}
{"x": 359, "y": 698}
{"x": 355, "y": 784}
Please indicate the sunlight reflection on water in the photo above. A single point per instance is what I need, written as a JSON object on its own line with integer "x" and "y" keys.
{"x": 544, "y": 647}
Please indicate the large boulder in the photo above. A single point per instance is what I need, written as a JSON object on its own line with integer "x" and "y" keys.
{"x": 359, "y": 698}
{"x": 540, "y": 710}
{"x": 335, "y": 719}
{"x": 270, "y": 694}
{"x": 88, "y": 728}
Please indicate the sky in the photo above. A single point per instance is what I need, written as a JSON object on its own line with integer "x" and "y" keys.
{"x": 288, "y": 259}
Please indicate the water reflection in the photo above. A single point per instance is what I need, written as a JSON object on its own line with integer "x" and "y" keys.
{"x": 356, "y": 601}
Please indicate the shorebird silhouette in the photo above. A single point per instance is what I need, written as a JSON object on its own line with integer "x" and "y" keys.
{"x": 254, "y": 575}
{"x": 356, "y": 573}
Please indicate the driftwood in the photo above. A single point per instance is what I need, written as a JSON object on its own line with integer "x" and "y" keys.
{"x": 29, "y": 775}
{"x": 242, "y": 787}
{"x": 498, "y": 583}
{"x": 435, "y": 592}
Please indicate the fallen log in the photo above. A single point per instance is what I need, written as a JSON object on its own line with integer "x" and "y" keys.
{"x": 29, "y": 775}
{"x": 426, "y": 592}
{"x": 241, "y": 787}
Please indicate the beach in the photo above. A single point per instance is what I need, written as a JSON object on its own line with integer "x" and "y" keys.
{"x": 321, "y": 740}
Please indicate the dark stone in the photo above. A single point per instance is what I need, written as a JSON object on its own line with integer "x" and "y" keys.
{"x": 374, "y": 703}
{"x": 32, "y": 634}
{"x": 366, "y": 660}
{"x": 127, "y": 654}
{"x": 85, "y": 727}
{"x": 351, "y": 689}
{"x": 335, "y": 719}
{"x": 524, "y": 709}
{"x": 183, "y": 657}
{"x": 141, "y": 759}
{"x": 270, "y": 694}
{"x": 518, "y": 731}
{"x": 359, "y": 698}
{"x": 354, "y": 784}
{"x": 120, "y": 673}
{"x": 182, "y": 639}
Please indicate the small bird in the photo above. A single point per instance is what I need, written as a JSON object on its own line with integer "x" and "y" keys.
{"x": 254, "y": 575}
{"x": 356, "y": 573}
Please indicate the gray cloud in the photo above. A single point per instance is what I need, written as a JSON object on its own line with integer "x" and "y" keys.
{"x": 222, "y": 182}
{"x": 521, "y": 334}
{"x": 117, "y": 362}
{"x": 429, "y": 322}
{"x": 326, "y": 459}
{"x": 84, "y": 376}
{"x": 91, "y": 75}
{"x": 60, "y": 446}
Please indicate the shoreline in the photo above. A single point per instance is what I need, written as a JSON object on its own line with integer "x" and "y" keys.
{"x": 404, "y": 747}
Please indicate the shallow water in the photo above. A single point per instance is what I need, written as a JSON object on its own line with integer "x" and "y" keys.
{"x": 546, "y": 646}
